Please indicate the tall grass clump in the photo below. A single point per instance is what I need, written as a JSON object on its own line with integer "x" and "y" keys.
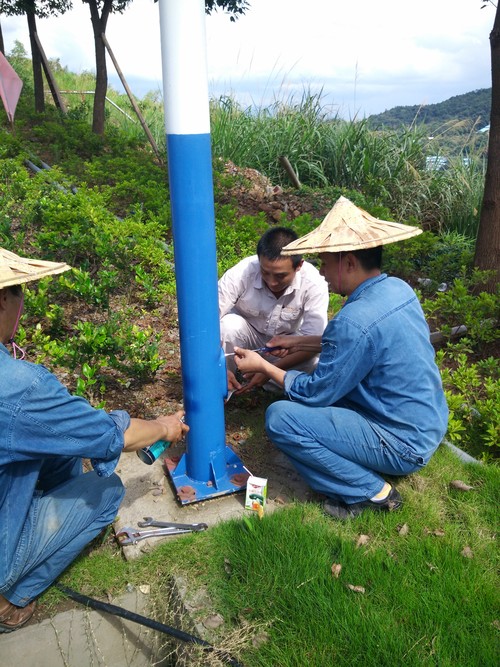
{"x": 387, "y": 165}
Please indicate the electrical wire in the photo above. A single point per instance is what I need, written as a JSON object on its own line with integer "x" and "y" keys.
{"x": 148, "y": 622}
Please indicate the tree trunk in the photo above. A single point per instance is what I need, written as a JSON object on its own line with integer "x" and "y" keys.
{"x": 101, "y": 84}
{"x": 36, "y": 61}
{"x": 487, "y": 252}
{"x": 2, "y": 46}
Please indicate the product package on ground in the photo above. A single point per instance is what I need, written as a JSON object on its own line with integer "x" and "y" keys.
{"x": 256, "y": 494}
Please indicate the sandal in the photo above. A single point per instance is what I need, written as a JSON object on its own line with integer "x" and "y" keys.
{"x": 13, "y": 617}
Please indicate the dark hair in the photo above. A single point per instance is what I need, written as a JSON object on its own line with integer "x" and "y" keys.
{"x": 16, "y": 290}
{"x": 369, "y": 258}
{"x": 273, "y": 241}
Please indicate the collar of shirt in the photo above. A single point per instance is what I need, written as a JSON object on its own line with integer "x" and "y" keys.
{"x": 363, "y": 286}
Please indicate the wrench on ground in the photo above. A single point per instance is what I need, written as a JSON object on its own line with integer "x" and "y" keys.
{"x": 129, "y": 535}
{"x": 192, "y": 527}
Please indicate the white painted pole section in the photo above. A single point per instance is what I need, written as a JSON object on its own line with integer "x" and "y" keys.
{"x": 183, "y": 25}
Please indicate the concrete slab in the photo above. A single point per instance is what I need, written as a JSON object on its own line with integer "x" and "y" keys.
{"x": 82, "y": 637}
{"x": 150, "y": 493}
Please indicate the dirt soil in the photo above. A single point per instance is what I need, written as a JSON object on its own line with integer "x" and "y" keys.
{"x": 254, "y": 194}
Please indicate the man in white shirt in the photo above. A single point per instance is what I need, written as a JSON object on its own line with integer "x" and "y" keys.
{"x": 268, "y": 295}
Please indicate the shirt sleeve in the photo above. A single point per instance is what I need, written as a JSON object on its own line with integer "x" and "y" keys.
{"x": 229, "y": 288}
{"x": 49, "y": 421}
{"x": 106, "y": 468}
{"x": 315, "y": 310}
{"x": 347, "y": 356}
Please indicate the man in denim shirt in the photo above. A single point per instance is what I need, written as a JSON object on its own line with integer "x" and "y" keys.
{"x": 374, "y": 405}
{"x": 49, "y": 510}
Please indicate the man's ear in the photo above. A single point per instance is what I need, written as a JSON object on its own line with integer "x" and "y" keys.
{"x": 351, "y": 261}
{"x": 299, "y": 265}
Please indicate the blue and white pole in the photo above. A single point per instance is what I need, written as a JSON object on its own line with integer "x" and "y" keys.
{"x": 208, "y": 468}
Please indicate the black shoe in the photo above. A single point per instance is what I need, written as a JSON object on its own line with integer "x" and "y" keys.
{"x": 340, "y": 510}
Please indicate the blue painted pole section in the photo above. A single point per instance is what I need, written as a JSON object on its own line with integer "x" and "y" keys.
{"x": 191, "y": 194}
{"x": 208, "y": 466}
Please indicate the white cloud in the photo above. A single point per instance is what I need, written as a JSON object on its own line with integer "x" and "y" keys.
{"x": 365, "y": 56}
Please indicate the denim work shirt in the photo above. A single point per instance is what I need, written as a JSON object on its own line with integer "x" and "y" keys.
{"x": 40, "y": 419}
{"x": 377, "y": 359}
{"x": 302, "y": 309}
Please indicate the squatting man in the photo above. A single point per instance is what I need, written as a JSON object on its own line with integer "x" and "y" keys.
{"x": 49, "y": 509}
{"x": 269, "y": 294}
{"x": 374, "y": 405}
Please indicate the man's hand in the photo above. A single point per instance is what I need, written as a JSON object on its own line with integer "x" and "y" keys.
{"x": 294, "y": 344}
{"x": 248, "y": 361}
{"x": 232, "y": 382}
{"x": 176, "y": 427}
{"x": 254, "y": 380}
{"x": 144, "y": 432}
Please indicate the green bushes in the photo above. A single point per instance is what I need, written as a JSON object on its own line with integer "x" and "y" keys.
{"x": 104, "y": 209}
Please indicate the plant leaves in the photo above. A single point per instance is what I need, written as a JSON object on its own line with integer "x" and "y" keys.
{"x": 336, "y": 570}
{"x": 261, "y": 638}
{"x": 362, "y": 540}
{"x": 212, "y": 622}
{"x": 356, "y": 589}
{"x": 461, "y": 486}
{"x": 403, "y": 529}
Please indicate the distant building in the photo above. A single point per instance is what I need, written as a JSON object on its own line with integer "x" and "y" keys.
{"x": 436, "y": 163}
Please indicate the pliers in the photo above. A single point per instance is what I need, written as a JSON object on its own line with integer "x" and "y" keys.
{"x": 129, "y": 535}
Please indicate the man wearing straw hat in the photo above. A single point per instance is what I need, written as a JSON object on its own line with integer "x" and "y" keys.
{"x": 49, "y": 510}
{"x": 374, "y": 405}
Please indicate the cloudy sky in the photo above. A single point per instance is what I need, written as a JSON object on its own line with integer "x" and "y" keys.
{"x": 365, "y": 56}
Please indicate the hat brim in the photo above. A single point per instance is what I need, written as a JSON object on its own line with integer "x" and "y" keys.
{"x": 347, "y": 228}
{"x": 16, "y": 270}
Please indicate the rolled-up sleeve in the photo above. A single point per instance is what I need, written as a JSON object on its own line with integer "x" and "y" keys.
{"x": 49, "y": 421}
{"x": 347, "y": 356}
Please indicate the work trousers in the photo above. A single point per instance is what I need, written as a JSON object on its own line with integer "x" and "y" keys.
{"x": 334, "y": 449}
{"x": 69, "y": 509}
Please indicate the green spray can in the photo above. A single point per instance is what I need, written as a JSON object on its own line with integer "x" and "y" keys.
{"x": 149, "y": 454}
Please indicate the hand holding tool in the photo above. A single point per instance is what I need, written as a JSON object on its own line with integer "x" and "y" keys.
{"x": 263, "y": 350}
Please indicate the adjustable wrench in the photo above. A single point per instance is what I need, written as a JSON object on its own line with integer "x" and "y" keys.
{"x": 129, "y": 535}
{"x": 188, "y": 527}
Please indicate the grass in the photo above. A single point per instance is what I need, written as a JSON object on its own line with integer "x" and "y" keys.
{"x": 428, "y": 575}
{"x": 429, "y": 572}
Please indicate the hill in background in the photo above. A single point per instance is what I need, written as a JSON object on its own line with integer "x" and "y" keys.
{"x": 474, "y": 107}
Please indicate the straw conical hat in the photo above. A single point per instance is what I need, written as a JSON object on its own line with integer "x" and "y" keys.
{"x": 347, "y": 228}
{"x": 15, "y": 270}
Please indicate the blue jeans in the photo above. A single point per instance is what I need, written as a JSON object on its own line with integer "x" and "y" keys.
{"x": 67, "y": 512}
{"x": 334, "y": 449}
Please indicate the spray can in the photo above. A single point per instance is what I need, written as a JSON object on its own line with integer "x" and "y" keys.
{"x": 149, "y": 454}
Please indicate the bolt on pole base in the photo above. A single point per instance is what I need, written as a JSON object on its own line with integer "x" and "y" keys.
{"x": 192, "y": 491}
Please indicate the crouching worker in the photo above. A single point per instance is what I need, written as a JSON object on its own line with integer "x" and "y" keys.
{"x": 49, "y": 509}
{"x": 374, "y": 405}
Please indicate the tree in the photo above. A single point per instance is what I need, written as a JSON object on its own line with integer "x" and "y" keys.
{"x": 32, "y": 9}
{"x": 99, "y": 14}
{"x": 487, "y": 251}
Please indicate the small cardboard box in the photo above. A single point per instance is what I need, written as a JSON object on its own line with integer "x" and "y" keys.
{"x": 256, "y": 494}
